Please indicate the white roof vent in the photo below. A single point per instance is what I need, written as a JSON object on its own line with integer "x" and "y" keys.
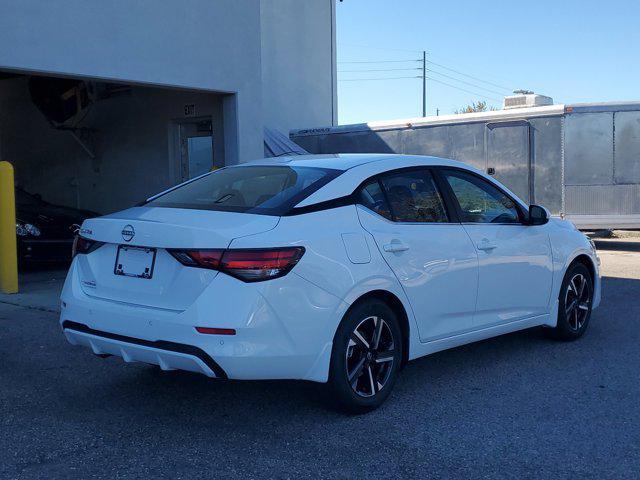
{"x": 526, "y": 98}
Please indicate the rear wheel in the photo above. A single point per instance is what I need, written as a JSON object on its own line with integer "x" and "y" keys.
{"x": 575, "y": 301}
{"x": 366, "y": 356}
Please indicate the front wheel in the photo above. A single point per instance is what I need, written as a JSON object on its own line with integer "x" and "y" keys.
{"x": 574, "y": 303}
{"x": 366, "y": 357}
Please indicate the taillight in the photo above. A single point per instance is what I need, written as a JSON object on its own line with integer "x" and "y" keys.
{"x": 251, "y": 265}
{"x": 199, "y": 258}
{"x": 257, "y": 265}
{"x": 84, "y": 245}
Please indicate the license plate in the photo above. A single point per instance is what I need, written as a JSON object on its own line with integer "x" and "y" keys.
{"x": 135, "y": 261}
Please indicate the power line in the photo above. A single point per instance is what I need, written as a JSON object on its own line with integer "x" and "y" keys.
{"x": 476, "y": 71}
{"x": 464, "y": 90}
{"x": 478, "y": 79}
{"x": 468, "y": 76}
{"x": 423, "y": 63}
{"x": 390, "y": 49}
{"x": 416, "y": 77}
{"x": 466, "y": 83}
{"x": 420, "y": 68}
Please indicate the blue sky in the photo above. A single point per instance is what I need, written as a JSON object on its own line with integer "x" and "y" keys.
{"x": 574, "y": 51}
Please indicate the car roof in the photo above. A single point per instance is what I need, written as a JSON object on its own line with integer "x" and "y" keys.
{"x": 338, "y": 161}
{"x": 346, "y": 161}
{"x": 365, "y": 166}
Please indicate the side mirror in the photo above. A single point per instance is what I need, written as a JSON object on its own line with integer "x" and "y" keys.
{"x": 538, "y": 215}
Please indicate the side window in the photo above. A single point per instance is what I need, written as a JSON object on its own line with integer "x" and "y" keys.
{"x": 481, "y": 202}
{"x": 371, "y": 196}
{"x": 414, "y": 197}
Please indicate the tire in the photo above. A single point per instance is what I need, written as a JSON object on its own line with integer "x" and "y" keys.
{"x": 361, "y": 373}
{"x": 574, "y": 304}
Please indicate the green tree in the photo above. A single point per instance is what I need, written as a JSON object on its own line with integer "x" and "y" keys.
{"x": 479, "y": 106}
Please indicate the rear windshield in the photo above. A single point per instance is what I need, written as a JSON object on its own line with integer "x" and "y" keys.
{"x": 266, "y": 190}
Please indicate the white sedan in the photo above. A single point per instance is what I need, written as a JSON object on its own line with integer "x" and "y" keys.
{"x": 335, "y": 269}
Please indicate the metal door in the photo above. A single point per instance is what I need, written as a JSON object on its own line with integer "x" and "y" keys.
{"x": 508, "y": 156}
{"x": 196, "y": 148}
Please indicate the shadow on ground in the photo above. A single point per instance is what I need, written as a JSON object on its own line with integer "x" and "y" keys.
{"x": 618, "y": 245}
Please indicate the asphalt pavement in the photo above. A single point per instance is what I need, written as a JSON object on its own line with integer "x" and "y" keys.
{"x": 517, "y": 406}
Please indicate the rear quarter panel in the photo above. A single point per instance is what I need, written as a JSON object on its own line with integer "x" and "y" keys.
{"x": 326, "y": 236}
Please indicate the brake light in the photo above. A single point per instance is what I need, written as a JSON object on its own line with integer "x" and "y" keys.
{"x": 199, "y": 258}
{"x": 84, "y": 245}
{"x": 250, "y": 265}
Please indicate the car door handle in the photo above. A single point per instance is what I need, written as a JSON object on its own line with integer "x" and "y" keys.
{"x": 486, "y": 246}
{"x": 395, "y": 246}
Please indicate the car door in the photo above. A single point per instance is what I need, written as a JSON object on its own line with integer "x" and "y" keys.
{"x": 429, "y": 251}
{"x": 515, "y": 264}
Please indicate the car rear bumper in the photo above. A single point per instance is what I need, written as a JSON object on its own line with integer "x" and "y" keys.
{"x": 284, "y": 328}
{"x": 167, "y": 355}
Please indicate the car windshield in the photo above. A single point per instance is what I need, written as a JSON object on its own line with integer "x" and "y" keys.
{"x": 265, "y": 190}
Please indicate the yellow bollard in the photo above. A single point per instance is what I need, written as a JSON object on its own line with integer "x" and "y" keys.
{"x": 8, "y": 250}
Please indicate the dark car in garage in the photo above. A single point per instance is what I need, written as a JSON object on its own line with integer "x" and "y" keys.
{"x": 45, "y": 231}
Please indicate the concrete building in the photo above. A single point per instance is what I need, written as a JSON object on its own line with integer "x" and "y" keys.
{"x": 154, "y": 91}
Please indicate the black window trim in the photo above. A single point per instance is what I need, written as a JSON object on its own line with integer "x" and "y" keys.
{"x": 451, "y": 197}
{"x": 451, "y": 212}
{"x": 320, "y": 206}
{"x": 452, "y": 208}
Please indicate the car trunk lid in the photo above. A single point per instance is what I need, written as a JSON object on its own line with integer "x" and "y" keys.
{"x": 141, "y": 236}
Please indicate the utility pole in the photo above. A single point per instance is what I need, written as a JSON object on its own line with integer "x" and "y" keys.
{"x": 424, "y": 83}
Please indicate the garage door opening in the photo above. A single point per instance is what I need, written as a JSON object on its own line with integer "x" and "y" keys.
{"x": 82, "y": 147}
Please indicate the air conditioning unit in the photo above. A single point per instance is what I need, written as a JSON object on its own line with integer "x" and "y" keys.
{"x": 525, "y": 99}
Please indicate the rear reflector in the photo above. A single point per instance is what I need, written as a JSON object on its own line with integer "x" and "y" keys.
{"x": 216, "y": 331}
{"x": 250, "y": 265}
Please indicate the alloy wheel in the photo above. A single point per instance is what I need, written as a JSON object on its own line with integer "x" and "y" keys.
{"x": 576, "y": 302}
{"x": 370, "y": 356}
